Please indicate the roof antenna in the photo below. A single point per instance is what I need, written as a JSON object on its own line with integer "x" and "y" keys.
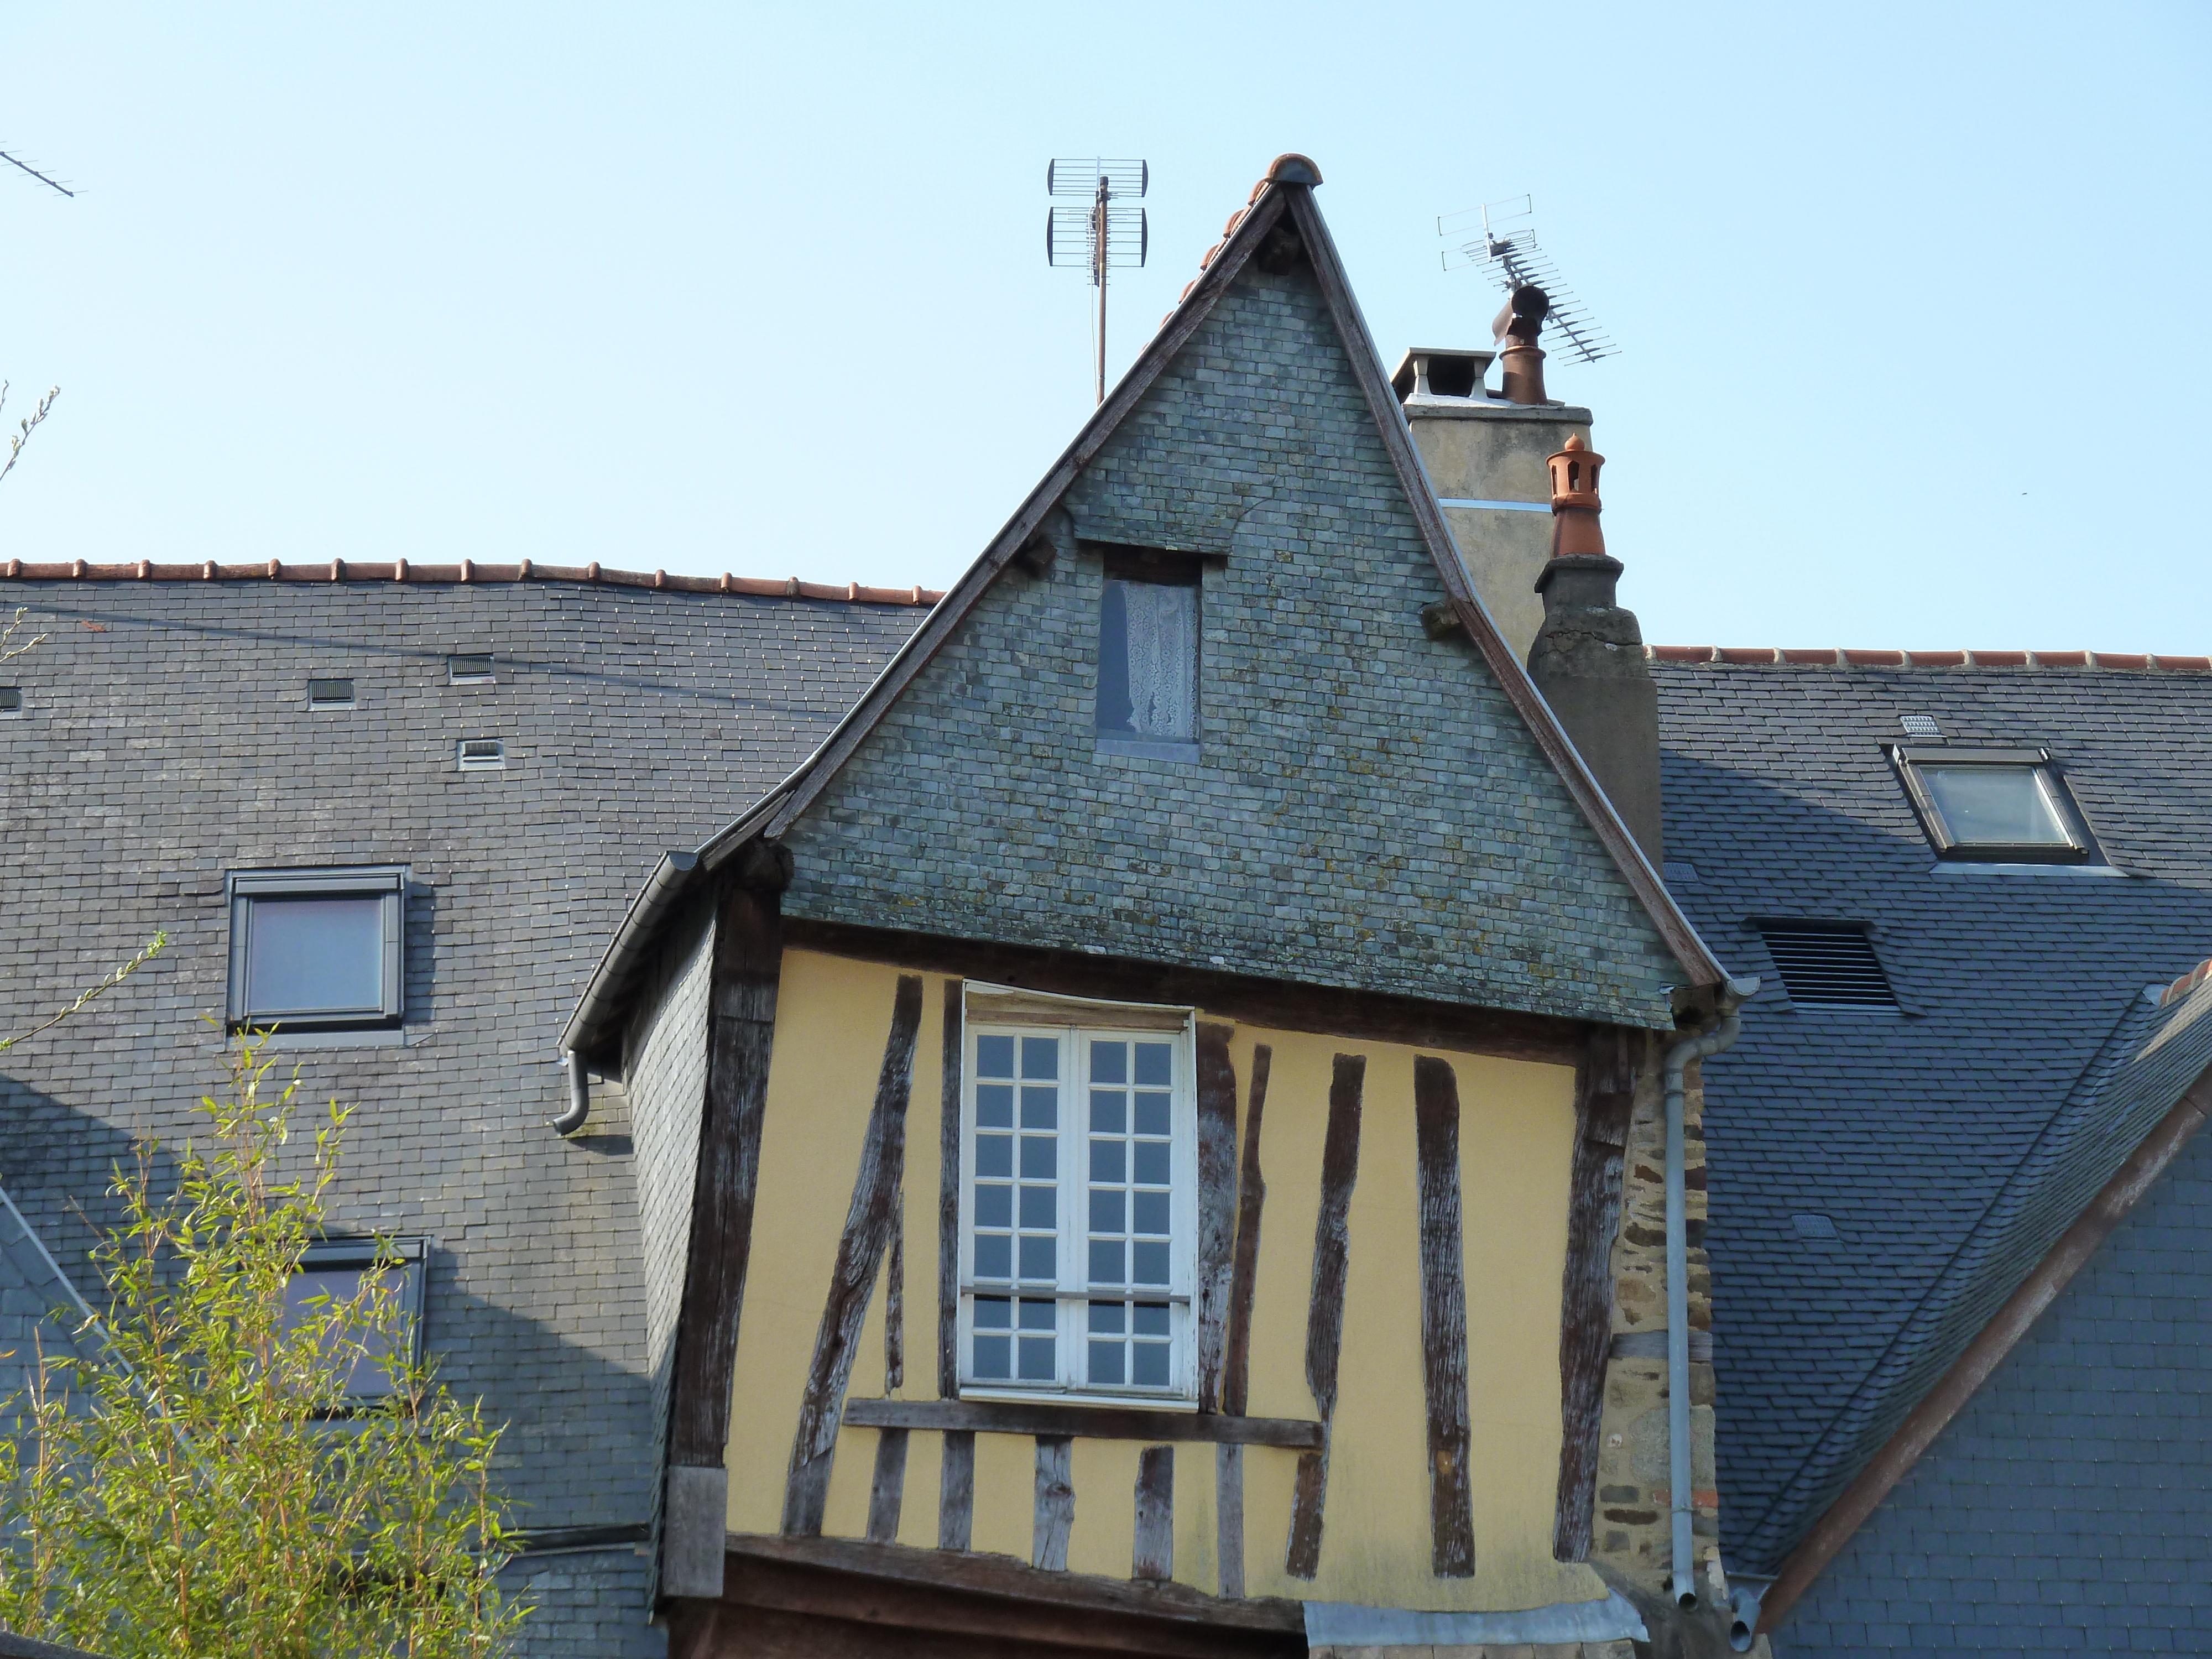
{"x": 1101, "y": 235}
{"x": 1500, "y": 237}
{"x": 25, "y": 167}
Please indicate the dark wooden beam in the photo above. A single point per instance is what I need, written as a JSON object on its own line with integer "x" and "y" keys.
{"x": 887, "y": 1493}
{"x": 1152, "y": 1556}
{"x": 956, "y": 1490}
{"x": 1605, "y": 1095}
{"x": 860, "y": 1252}
{"x": 1339, "y": 1169}
{"x": 1055, "y": 1502}
{"x": 1217, "y": 1206}
{"x": 1326, "y": 1011}
{"x": 746, "y": 967}
{"x": 1229, "y": 1518}
{"x": 1244, "y": 1275}
{"x": 1444, "y": 1316}
{"x": 1087, "y": 1422}
{"x": 948, "y": 1200}
{"x": 2111, "y": 1206}
{"x": 893, "y": 1601}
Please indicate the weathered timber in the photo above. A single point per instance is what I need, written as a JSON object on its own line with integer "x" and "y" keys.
{"x": 986, "y": 1607}
{"x": 1055, "y": 1502}
{"x": 1444, "y": 1316}
{"x": 1605, "y": 1095}
{"x": 895, "y": 1295}
{"x": 948, "y": 1201}
{"x": 1339, "y": 1169}
{"x": 1217, "y": 1206}
{"x": 1245, "y": 1274}
{"x": 1309, "y": 1492}
{"x": 1229, "y": 1517}
{"x": 860, "y": 1252}
{"x": 1153, "y": 1555}
{"x": 887, "y": 1493}
{"x": 1512, "y": 677}
{"x": 746, "y": 965}
{"x": 1362, "y": 1016}
{"x": 956, "y": 1490}
{"x": 1086, "y": 1422}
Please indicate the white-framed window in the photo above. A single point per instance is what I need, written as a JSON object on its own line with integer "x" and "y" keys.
{"x": 1078, "y": 1199}
{"x": 317, "y": 948}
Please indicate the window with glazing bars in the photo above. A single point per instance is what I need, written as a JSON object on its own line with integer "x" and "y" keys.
{"x": 1077, "y": 1210}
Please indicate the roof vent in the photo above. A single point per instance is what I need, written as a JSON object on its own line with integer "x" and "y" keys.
{"x": 1920, "y": 726}
{"x": 11, "y": 699}
{"x": 1825, "y": 964}
{"x": 482, "y": 754}
{"x": 329, "y": 694}
{"x": 470, "y": 668}
{"x": 1813, "y": 1226}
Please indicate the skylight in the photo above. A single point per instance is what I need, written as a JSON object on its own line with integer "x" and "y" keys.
{"x": 2006, "y": 805}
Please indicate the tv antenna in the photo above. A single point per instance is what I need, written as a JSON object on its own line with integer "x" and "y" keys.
{"x": 1102, "y": 235}
{"x": 1500, "y": 237}
{"x": 25, "y": 167}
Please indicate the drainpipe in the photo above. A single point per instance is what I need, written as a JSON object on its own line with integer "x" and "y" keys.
{"x": 1678, "y": 1057}
{"x": 580, "y": 1094}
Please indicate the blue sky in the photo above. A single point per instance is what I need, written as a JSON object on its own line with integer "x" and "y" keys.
{"x": 1910, "y": 299}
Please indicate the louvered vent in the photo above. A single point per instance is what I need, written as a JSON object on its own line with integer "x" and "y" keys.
{"x": 1827, "y": 966}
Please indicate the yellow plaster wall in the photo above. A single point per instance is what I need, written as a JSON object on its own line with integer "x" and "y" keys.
{"x": 1516, "y": 1130}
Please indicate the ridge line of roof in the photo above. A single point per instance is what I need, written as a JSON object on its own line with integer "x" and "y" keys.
{"x": 1771, "y": 656}
{"x": 467, "y": 571}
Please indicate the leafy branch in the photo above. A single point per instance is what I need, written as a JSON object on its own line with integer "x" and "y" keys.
{"x": 154, "y": 948}
{"x": 26, "y": 426}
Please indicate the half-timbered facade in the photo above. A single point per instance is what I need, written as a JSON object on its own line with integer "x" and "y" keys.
{"x": 1132, "y": 1134}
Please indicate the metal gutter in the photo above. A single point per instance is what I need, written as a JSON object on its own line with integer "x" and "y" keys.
{"x": 668, "y": 881}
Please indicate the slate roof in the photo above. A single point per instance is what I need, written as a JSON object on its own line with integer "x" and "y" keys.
{"x": 1948, "y": 1145}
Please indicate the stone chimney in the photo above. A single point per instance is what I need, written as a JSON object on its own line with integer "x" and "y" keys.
{"x": 1485, "y": 456}
{"x": 1588, "y": 659}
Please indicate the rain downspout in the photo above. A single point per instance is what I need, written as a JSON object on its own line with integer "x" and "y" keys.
{"x": 1681, "y": 1496}
{"x": 580, "y": 1094}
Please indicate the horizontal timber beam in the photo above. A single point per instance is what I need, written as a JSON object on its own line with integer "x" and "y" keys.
{"x": 1085, "y": 1422}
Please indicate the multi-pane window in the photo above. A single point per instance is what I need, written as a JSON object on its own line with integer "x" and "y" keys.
{"x": 1077, "y": 1207}
{"x": 316, "y": 948}
{"x": 1994, "y": 803}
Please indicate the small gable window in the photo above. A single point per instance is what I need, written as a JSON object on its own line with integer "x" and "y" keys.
{"x": 1076, "y": 1202}
{"x": 1994, "y": 805}
{"x": 316, "y": 948}
{"x": 1148, "y": 653}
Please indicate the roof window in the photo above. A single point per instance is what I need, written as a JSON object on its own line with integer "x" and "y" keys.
{"x": 470, "y": 668}
{"x": 329, "y": 694}
{"x": 312, "y": 948}
{"x": 1994, "y": 805}
{"x": 1828, "y": 964}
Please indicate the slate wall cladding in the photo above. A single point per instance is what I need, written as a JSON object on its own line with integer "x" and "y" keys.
{"x": 1368, "y": 811}
{"x": 2062, "y": 1512}
{"x": 30, "y": 1295}
{"x": 665, "y": 1071}
{"x": 165, "y": 738}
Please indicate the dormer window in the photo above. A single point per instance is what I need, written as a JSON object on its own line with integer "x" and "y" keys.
{"x": 2003, "y": 805}
{"x": 1148, "y": 655}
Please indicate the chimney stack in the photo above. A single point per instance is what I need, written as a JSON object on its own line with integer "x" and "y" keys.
{"x": 1588, "y": 659}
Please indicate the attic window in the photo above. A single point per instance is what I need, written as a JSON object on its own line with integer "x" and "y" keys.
{"x": 1993, "y": 804}
{"x": 331, "y": 1275}
{"x": 1148, "y": 655}
{"x": 329, "y": 694}
{"x": 316, "y": 947}
{"x": 1828, "y": 964}
{"x": 470, "y": 668}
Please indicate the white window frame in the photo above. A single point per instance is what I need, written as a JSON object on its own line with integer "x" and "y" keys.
{"x": 386, "y": 882}
{"x": 1001, "y": 1011}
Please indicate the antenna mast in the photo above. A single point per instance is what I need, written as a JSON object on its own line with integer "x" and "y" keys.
{"x": 1506, "y": 246}
{"x": 24, "y": 166}
{"x": 1102, "y": 235}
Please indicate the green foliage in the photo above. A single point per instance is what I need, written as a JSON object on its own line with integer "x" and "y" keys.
{"x": 203, "y": 1483}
